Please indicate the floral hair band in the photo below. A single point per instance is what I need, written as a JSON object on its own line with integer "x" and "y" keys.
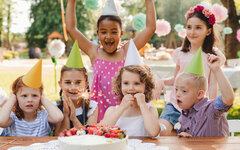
{"x": 206, "y": 12}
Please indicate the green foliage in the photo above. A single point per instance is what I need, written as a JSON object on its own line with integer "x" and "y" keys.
{"x": 46, "y": 16}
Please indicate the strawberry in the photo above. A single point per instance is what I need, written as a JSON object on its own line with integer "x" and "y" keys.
{"x": 90, "y": 131}
{"x": 100, "y": 133}
{"x": 112, "y": 135}
{"x": 107, "y": 135}
{"x": 116, "y": 135}
{"x": 68, "y": 133}
{"x": 61, "y": 134}
{"x": 73, "y": 131}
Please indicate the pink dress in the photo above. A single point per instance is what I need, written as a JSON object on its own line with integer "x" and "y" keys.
{"x": 101, "y": 91}
{"x": 183, "y": 59}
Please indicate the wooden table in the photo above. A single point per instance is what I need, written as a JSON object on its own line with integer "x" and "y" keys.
{"x": 174, "y": 143}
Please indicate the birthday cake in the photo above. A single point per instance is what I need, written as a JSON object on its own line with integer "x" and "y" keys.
{"x": 93, "y": 138}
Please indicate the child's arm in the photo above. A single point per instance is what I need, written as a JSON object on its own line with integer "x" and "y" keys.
{"x": 113, "y": 114}
{"x": 150, "y": 115}
{"x": 160, "y": 85}
{"x": 65, "y": 124}
{"x": 92, "y": 120}
{"x": 5, "y": 119}
{"x": 54, "y": 114}
{"x": 224, "y": 84}
{"x": 145, "y": 35}
{"x": 84, "y": 44}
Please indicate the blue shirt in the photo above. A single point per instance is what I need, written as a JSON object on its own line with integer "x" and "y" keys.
{"x": 38, "y": 127}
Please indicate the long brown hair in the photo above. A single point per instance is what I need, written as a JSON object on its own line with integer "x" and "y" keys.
{"x": 210, "y": 40}
{"x": 145, "y": 77}
{"x": 16, "y": 86}
{"x": 85, "y": 73}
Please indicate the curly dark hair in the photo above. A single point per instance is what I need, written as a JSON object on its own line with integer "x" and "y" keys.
{"x": 146, "y": 77}
{"x": 17, "y": 85}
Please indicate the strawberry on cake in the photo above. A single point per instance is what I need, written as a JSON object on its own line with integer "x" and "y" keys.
{"x": 93, "y": 137}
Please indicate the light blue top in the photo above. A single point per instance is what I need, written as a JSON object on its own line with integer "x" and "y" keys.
{"x": 38, "y": 127}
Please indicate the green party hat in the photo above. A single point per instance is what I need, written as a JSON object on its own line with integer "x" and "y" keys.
{"x": 196, "y": 64}
{"x": 75, "y": 58}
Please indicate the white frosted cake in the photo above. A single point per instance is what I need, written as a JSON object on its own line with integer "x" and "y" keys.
{"x": 93, "y": 138}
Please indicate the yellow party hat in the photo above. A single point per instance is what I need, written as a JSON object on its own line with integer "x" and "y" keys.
{"x": 75, "y": 58}
{"x": 196, "y": 64}
{"x": 33, "y": 78}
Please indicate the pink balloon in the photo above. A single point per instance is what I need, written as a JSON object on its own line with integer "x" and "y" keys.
{"x": 163, "y": 27}
{"x": 238, "y": 35}
{"x": 220, "y": 12}
{"x": 182, "y": 33}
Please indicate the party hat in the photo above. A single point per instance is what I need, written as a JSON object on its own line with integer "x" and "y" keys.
{"x": 196, "y": 64}
{"x": 133, "y": 57}
{"x": 110, "y": 8}
{"x": 75, "y": 58}
{"x": 33, "y": 78}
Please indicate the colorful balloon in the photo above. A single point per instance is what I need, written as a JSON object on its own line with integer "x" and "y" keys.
{"x": 178, "y": 27}
{"x": 139, "y": 21}
{"x": 93, "y": 4}
{"x": 227, "y": 30}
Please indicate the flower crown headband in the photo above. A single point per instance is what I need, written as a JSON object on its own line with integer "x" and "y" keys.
{"x": 206, "y": 12}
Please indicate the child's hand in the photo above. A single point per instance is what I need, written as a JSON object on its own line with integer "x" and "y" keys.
{"x": 140, "y": 97}
{"x": 72, "y": 110}
{"x": 13, "y": 98}
{"x": 160, "y": 87}
{"x": 213, "y": 61}
{"x": 65, "y": 104}
{"x": 184, "y": 134}
{"x": 127, "y": 100}
{"x": 43, "y": 98}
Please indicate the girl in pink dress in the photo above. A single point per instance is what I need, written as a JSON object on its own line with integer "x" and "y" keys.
{"x": 200, "y": 33}
{"x": 109, "y": 57}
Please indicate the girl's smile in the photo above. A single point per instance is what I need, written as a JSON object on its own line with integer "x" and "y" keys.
{"x": 109, "y": 34}
{"x": 73, "y": 82}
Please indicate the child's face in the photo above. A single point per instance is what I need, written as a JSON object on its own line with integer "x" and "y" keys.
{"x": 131, "y": 83}
{"x": 28, "y": 99}
{"x": 109, "y": 34}
{"x": 186, "y": 93}
{"x": 197, "y": 30}
{"x": 73, "y": 83}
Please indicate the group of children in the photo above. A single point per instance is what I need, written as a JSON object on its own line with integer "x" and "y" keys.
{"x": 123, "y": 86}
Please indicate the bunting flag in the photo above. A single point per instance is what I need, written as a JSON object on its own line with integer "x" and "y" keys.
{"x": 63, "y": 22}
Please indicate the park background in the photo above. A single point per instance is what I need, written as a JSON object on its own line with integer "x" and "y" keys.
{"x": 45, "y": 18}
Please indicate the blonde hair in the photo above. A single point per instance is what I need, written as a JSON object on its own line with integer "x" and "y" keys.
{"x": 199, "y": 82}
{"x": 16, "y": 86}
{"x": 145, "y": 77}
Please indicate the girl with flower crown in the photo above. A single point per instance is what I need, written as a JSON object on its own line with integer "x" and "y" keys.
{"x": 200, "y": 33}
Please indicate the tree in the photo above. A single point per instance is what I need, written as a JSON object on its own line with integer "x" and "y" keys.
{"x": 46, "y": 16}
{"x": 231, "y": 43}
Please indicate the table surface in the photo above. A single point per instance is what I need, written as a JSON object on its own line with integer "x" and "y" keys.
{"x": 174, "y": 143}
